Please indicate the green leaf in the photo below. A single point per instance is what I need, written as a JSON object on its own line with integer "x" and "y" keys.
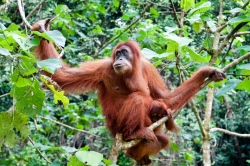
{"x": 57, "y": 37}
{"x": 50, "y": 65}
{"x": 182, "y": 41}
{"x": 201, "y": 8}
{"x": 194, "y": 19}
{"x": 69, "y": 149}
{"x": 97, "y": 30}
{"x": 230, "y": 85}
{"x": 29, "y": 99}
{"x": 187, "y": 4}
{"x": 244, "y": 85}
{"x": 198, "y": 26}
{"x": 12, "y": 27}
{"x": 244, "y": 66}
{"x": 90, "y": 157}
{"x": 19, "y": 81}
{"x": 53, "y": 36}
{"x": 189, "y": 157}
{"x": 239, "y": 19}
{"x": 195, "y": 57}
{"x": 61, "y": 9}
{"x": 149, "y": 54}
{"x": 58, "y": 95}
{"x": 154, "y": 12}
{"x": 235, "y": 10}
{"x": 212, "y": 25}
{"x": 2, "y": 27}
{"x": 174, "y": 147}
{"x": 74, "y": 162}
{"x": 13, "y": 125}
{"x": 116, "y": 3}
{"x": 24, "y": 43}
{"x": 27, "y": 67}
{"x": 4, "y": 51}
{"x": 245, "y": 48}
{"x": 41, "y": 146}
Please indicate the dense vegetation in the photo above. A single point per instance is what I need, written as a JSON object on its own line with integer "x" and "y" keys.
{"x": 40, "y": 125}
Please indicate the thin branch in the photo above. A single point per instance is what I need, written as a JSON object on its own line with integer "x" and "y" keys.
{"x": 6, "y": 94}
{"x": 175, "y": 14}
{"x": 67, "y": 126}
{"x": 219, "y": 29}
{"x": 33, "y": 10}
{"x": 232, "y": 64}
{"x": 134, "y": 22}
{"x": 194, "y": 109}
{"x": 237, "y": 34}
{"x": 22, "y": 13}
{"x": 229, "y": 132}
{"x": 39, "y": 151}
{"x": 230, "y": 35}
{"x": 5, "y": 6}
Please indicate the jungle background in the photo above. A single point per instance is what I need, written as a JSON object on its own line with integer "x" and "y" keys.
{"x": 41, "y": 126}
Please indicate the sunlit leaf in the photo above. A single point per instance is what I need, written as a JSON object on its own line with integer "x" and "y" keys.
{"x": 90, "y": 157}
{"x": 195, "y": 56}
{"x": 58, "y": 95}
{"x": 200, "y": 8}
{"x": 187, "y": 4}
{"x": 4, "y": 51}
{"x": 154, "y": 12}
{"x": 244, "y": 85}
{"x": 54, "y": 36}
{"x": 189, "y": 157}
{"x": 149, "y": 54}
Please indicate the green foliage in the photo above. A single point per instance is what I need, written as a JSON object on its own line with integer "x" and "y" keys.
{"x": 83, "y": 28}
{"x": 14, "y": 126}
{"x": 50, "y": 65}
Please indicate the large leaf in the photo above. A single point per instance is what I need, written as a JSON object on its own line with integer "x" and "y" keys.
{"x": 244, "y": 85}
{"x": 200, "y": 8}
{"x": 90, "y": 157}
{"x": 154, "y": 12}
{"x": 50, "y": 65}
{"x": 29, "y": 99}
{"x": 187, "y": 4}
{"x": 230, "y": 85}
{"x": 149, "y": 54}
{"x": 4, "y": 51}
{"x": 195, "y": 56}
{"x": 239, "y": 19}
{"x": 244, "y": 66}
{"x": 14, "y": 126}
{"x": 25, "y": 43}
{"x": 54, "y": 36}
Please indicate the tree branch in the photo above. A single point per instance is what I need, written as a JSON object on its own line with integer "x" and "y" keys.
{"x": 33, "y": 10}
{"x": 22, "y": 13}
{"x": 229, "y": 132}
{"x": 232, "y": 64}
{"x": 40, "y": 153}
{"x": 175, "y": 14}
{"x": 230, "y": 35}
{"x": 67, "y": 126}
